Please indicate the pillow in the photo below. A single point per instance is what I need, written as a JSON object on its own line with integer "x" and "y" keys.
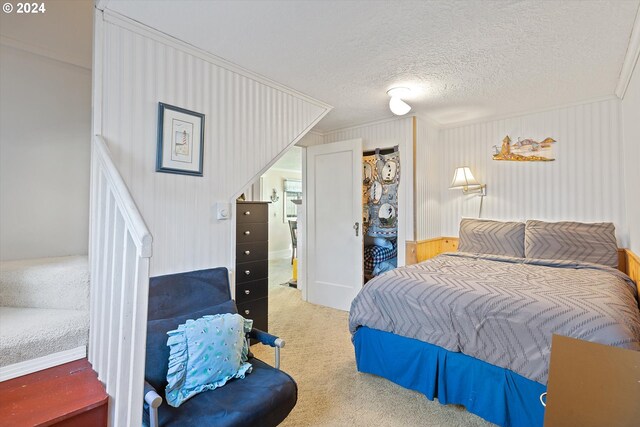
{"x": 485, "y": 236}
{"x": 575, "y": 241}
{"x": 378, "y": 241}
{"x": 155, "y": 371}
{"x": 205, "y": 354}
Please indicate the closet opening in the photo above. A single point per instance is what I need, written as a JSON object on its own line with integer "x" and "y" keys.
{"x": 380, "y": 183}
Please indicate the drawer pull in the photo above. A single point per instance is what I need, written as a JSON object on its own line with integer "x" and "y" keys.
{"x": 246, "y": 233}
{"x": 247, "y": 312}
{"x": 247, "y": 213}
{"x": 247, "y": 272}
{"x": 247, "y": 252}
{"x": 247, "y": 291}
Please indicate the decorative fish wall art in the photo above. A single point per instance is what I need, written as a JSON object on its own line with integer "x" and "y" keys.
{"x": 525, "y": 150}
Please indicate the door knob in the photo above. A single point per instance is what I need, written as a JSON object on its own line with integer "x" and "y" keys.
{"x": 246, "y": 233}
{"x": 247, "y": 213}
{"x": 247, "y": 291}
{"x": 247, "y": 252}
{"x": 247, "y": 312}
{"x": 247, "y": 272}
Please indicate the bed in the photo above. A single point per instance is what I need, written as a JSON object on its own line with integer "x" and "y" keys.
{"x": 474, "y": 328}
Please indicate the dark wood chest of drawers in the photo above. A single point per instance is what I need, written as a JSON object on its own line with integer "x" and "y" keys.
{"x": 252, "y": 262}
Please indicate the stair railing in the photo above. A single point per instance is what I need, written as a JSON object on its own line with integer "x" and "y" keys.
{"x": 119, "y": 252}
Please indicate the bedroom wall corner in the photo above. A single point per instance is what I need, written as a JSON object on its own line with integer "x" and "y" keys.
{"x": 631, "y": 137}
{"x": 249, "y": 122}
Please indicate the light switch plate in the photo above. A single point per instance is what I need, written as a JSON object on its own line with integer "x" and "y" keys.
{"x": 223, "y": 210}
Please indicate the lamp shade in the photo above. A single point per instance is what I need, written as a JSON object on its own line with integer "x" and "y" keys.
{"x": 463, "y": 178}
{"x": 398, "y": 106}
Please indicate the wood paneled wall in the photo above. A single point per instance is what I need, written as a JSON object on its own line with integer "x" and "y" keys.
{"x": 424, "y": 249}
{"x": 633, "y": 268}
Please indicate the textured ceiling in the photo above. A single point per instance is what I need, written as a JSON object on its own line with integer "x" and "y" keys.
{"x": 463, "y": 59}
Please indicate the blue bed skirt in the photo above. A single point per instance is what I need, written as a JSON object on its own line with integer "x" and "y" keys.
{"x": 495, "y": 394}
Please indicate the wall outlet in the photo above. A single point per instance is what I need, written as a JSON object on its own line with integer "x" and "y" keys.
{"x": 223, "y": 210}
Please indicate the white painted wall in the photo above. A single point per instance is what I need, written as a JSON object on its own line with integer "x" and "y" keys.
{"x": 585, "y": 183}
{"x": 279, "y": 234}
{"x": 428, "y": 180}
{"x": 250, "y": 121}
{"x": 631, "y": 132}
{"x": 45, "y": 141}
{"x": 386, "y": 134}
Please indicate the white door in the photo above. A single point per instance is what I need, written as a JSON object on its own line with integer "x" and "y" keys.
{"x": 334, "y": 217}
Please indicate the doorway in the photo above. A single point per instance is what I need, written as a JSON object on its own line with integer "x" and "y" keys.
{"x": 281, "y": 185}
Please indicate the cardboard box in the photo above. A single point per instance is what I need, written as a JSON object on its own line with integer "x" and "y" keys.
{"x": 592, "y": 384}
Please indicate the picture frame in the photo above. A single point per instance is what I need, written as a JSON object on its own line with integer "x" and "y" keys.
{"x": 180, "y": 140}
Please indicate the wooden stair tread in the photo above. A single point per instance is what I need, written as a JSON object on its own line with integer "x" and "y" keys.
{"x": 51, "y": 396}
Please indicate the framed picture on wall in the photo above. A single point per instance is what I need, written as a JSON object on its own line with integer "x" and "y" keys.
{"x": 180, "y": 140}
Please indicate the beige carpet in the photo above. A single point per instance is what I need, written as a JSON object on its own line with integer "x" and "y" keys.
{"x": 331, "y": 392}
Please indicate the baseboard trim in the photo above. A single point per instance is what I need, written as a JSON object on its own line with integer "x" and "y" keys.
{"x": 38, "y": 364}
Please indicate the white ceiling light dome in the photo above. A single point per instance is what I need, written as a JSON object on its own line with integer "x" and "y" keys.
{"x": 396, "y": 104}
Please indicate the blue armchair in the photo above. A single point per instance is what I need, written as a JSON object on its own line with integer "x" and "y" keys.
{"x": 263, "y": 398}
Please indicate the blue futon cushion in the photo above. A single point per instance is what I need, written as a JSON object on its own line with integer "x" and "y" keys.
{"x": 205, "y": 354}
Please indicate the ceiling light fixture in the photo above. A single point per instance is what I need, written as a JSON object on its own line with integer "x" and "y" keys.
{"x": 396, "y": 104}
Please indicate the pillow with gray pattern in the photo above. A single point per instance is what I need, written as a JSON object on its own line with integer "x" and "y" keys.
{"x": 492, "y": 237}
{"x": 575, "y": 241}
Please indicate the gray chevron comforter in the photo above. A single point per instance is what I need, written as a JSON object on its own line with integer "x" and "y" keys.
{"x": 501, "y": 310}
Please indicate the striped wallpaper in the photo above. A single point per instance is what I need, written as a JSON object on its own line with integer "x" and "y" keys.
{"x": 428, "y": 173}
{"x": 631, "y": 130}
{"x": 249, "y": 122}
{"x": 585, "y": 183}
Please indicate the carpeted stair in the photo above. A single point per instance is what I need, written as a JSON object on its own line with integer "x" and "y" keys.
{"x": 44, "y": 308}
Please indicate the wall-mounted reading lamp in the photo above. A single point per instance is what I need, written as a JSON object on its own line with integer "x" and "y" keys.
{"x": 464, "y": 179}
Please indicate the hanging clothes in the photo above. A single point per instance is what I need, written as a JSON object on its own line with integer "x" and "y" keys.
{"x": 381, "y": 177}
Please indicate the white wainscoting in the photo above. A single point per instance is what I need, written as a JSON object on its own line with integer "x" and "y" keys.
{"x": 249, "y": 123}
{"x": 585, "y": 183}
{"x": 386, "y": 134}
